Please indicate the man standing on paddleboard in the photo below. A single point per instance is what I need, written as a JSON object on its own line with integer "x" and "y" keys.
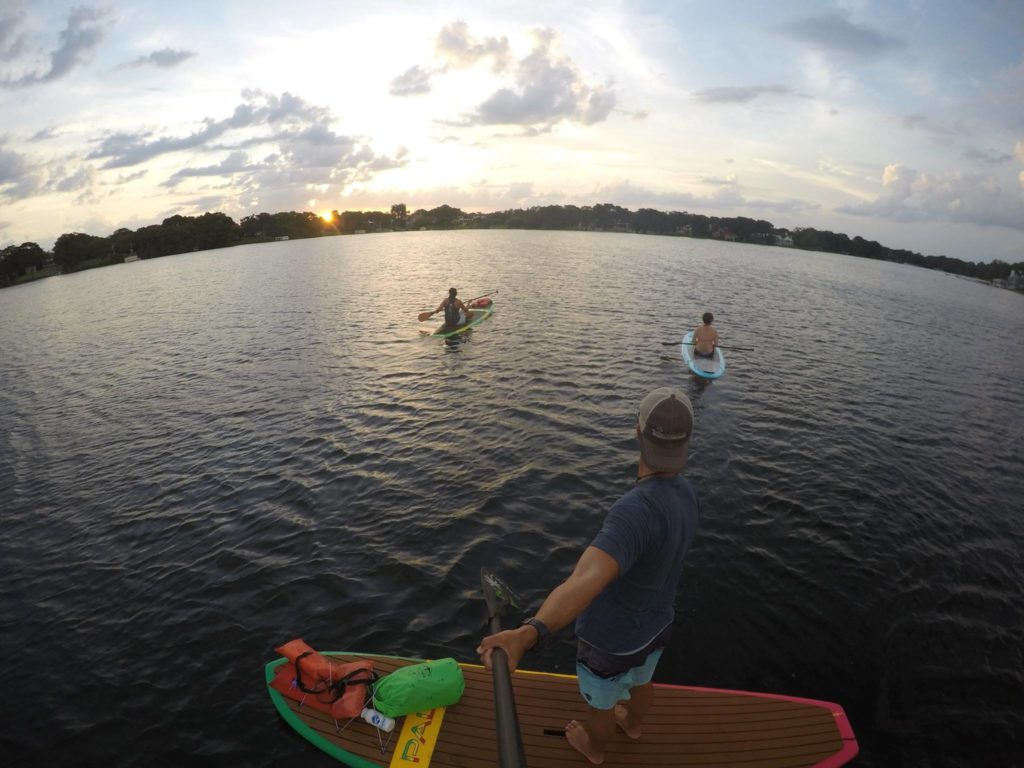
{"x": 622, "y": 591}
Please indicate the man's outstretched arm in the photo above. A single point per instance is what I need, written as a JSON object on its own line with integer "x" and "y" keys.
{"x": 595, "y": 570}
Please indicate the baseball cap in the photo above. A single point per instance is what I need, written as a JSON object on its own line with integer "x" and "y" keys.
{"x": 665, "y": 422}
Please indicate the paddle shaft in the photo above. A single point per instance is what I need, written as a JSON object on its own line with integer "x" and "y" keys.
{"x": 717, "y": 346}
{"x": 506, "y": 720}
{"x": 510, "y": 739}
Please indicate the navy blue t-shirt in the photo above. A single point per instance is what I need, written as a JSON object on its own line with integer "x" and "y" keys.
{"x": 648, "y": 532}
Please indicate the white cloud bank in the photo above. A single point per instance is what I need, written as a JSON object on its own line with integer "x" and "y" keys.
{"x": 545, "y": 87}
{"x": 911, "y": 195}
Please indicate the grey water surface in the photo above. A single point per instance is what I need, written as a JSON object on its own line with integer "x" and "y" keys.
{"x": 202, "y": 456}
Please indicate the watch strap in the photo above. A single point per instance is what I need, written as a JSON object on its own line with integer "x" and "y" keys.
{"x": 543, "y": 633}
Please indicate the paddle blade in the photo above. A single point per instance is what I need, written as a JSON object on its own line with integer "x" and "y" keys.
{"x": 424, "y": 316}
{"x": 498, "y": 594}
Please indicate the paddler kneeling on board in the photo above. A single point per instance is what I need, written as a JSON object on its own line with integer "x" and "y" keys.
{"x": 705, "y": 338}
{"x": 622, "y": 591}
{"x": 455, "y": 312}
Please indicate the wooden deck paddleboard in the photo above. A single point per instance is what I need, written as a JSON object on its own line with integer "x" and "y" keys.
{"x": 686, "y": 727}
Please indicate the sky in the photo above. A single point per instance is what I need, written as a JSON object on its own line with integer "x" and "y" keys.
{"x": 899, "y": 121}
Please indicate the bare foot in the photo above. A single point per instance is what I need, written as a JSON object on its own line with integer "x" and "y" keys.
{"x": 577, "y": 735}
{"x": 622, "y": 718}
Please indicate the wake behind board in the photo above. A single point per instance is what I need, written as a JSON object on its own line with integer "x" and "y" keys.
{"x": 476, "y": 316}
{"x": 685, "y": 727}
{"x": 705, "y": 367}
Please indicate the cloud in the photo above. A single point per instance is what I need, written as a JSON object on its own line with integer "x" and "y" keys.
{"x": 729, "y": 180}
{"x": 740, "y": 94}
{"x": 835, "y": 33}
{"x": 165, "y": 58}
{"x": 81, "y": 179}
{"x": 728, "y": 196}
{"x": 206, "y": 203}
{"x": 910, "y": 195}
{"x": 11, "y": 42}
{"x": 82, "y": 34}
{"x": 1018, "y": 151}
{"x": 413, "y": 81}
{"x": 989, "y": 156}
{"x": 235, "y": 162}
{"x": 458, "y": 49}
{"x": 12, "y": 166}
{"x": 124, "y": 178}
{"x": 548, "y": 90}
{"x": 22, "y": 177}
{"x": 258, "y": 109}
{"x": 474, "y": 197}
{"x": 17, "y": 178}
{"x": 918, "y": 121}
{"x": 295, "y": 150}
{"x": 295, "y": 146}
{"x": 44, "y": 134}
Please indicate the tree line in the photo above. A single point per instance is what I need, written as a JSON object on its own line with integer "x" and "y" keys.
{"x": 180, "y": 234}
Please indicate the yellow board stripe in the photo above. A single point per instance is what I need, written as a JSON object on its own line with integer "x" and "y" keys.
{"x": 523, "y": 671}
{"x": 416, "y": 743}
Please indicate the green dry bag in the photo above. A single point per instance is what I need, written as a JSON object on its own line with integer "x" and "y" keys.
{"x": 419, "y": 687}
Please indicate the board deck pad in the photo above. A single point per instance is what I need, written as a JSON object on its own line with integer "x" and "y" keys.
{"x": 697, "y": 727}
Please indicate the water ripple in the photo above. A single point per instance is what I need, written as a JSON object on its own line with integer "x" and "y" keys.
{"x": 204, "y": 455}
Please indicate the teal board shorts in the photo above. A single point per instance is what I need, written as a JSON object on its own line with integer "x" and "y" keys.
{"x": 605, "y": 692}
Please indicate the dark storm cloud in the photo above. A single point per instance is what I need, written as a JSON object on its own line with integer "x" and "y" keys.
{"x": 165, "y": 58}
{"x": 740, "y": 94}
{"x": 835, "y": 33}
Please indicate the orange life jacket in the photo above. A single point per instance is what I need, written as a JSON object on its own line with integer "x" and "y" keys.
{"x": 337, "y": 688}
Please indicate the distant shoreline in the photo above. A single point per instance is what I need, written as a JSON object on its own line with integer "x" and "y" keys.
{"x": 77, "y": 251}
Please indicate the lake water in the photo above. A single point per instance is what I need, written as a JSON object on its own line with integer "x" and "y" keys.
{"x": 202, "y": 456}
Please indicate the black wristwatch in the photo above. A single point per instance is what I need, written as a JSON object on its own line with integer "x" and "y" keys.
{"x": 543, "y": 633}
